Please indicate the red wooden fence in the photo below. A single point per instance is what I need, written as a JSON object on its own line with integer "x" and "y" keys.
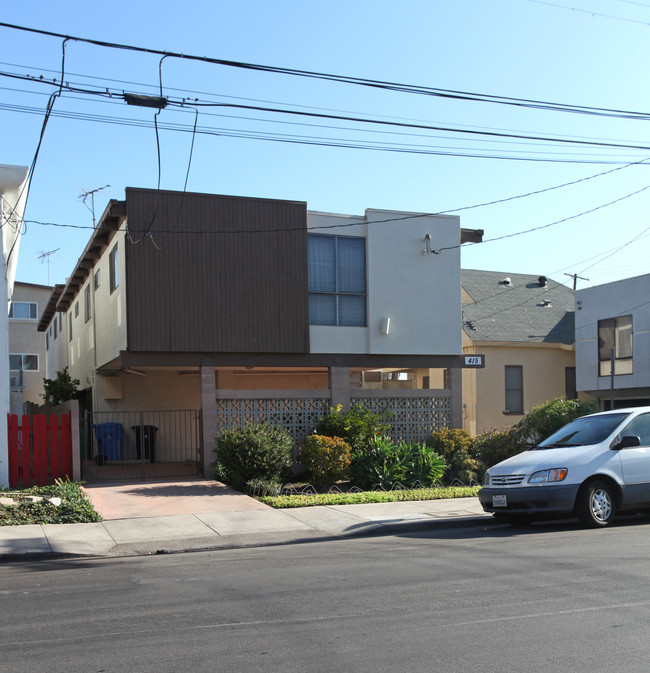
{"x": 39, "y": 451}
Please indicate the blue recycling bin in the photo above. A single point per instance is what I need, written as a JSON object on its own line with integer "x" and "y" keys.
{"x": 109, "y": 438}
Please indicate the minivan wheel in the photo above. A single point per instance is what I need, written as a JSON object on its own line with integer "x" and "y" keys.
{"x": 595, "y": 504}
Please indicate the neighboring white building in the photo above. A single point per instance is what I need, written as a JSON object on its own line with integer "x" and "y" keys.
{"x": 13, "y": 193}
{"x": 614, "y": 317}
{"x": 27, "y": 345}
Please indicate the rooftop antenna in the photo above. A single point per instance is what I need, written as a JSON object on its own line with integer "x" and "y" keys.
{"x": 46, "y": 256}
{"x": 91, "y": 193}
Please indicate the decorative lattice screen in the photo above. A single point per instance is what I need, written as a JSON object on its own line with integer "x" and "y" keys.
{"x": 412, "y": 419}
{"x": 296, "y": 415}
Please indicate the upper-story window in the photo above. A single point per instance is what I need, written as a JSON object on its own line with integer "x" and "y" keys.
{"x": 23, "y": 310}
{"x": 337, "y": 280}
{"x": 514, "y": 389}
{"x": 114, "y": 268}
{"x": 98, "y": 278}
{"x": 27, "y": 362}
{"x": 87, "y": 304}
{"x": 616, "y": 334}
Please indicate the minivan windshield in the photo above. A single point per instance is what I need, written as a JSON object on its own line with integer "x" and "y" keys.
{"x": 583, "y": 431}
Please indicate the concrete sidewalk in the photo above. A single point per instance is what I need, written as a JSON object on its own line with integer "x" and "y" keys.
{"x": 224, "y": 521}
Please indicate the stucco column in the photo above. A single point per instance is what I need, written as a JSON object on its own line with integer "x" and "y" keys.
{"x": 339, "y": 384}
{"x": 456, "y": 386}
{"x": 208, "y": 418}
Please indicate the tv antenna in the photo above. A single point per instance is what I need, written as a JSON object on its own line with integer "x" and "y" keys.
{"x": 91, "y": 193}
{"x": 46, "y": 256}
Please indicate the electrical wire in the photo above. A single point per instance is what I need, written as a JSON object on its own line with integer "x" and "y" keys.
{"x": 590, "y": 12}
{"x": 203, "y": 93}
{"x": 550, "y": 224}
{"x": 360, "y": 81}
{"x": 514, "y": 155}
{"x": 361, "y": 120}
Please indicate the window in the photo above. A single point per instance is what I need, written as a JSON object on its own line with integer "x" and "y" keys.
{"x": 47, "y": 341}
{"x": 639, "y": 426}
{"x": 76, "y": 309}
{"x": 87, "y": 306}
{"x": 514, "y": 389}
{"x": 70, "y": 326}
{"x": 570, "y": 388}
{"x": 616, "y": 334}
{"x": 56, "y": 331}
{"x": 23, "y": 310}
{"x": 98, "y": 279}
{"x": 114, "y": 271}
{"x": 337, "y": 280}
{"x": 23, "y": 362}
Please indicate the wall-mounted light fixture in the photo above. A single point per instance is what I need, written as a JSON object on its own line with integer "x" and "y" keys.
{"x": 427, "y": 246}
{"x": 385, "y": 326}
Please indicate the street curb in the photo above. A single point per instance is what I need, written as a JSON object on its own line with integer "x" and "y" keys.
{"x": 250, "y": 541}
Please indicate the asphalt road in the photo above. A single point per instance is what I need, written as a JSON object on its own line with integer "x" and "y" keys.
{"x": 550, "y": 598}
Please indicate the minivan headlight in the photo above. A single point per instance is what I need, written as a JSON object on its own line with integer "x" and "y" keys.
{"x": 554, "y": 474}
{"x": 486, "y": 479}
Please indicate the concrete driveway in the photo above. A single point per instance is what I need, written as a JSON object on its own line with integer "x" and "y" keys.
{"x": 164, "y": 498}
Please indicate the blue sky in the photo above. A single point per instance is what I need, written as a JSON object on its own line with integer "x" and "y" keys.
{"x": 579, "y": 52}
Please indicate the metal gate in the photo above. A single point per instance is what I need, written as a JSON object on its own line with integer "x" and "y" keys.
{"x": 122, "y": 445}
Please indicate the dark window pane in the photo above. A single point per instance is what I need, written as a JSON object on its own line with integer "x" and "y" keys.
{"x": 321, "y": 263}
{"x": 351, "y": 265}
{"x": 352, "y": 311}
{"x": 322, "y": 309}
{"x": 30, "y": 363}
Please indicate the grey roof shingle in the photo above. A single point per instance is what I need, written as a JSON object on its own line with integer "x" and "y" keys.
{"x": 516, "y": 312}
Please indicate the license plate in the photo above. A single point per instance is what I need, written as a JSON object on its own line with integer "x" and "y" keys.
{"x": 499, "y": 501}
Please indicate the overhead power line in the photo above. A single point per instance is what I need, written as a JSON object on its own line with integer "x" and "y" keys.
{"x": 360, "y": 81}
{"x": 181, "y": 102}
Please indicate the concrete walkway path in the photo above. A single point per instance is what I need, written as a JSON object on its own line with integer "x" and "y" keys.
{"x": 167, "y": 517}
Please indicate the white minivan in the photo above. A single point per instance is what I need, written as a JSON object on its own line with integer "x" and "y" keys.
{"x": 593, "y": 467}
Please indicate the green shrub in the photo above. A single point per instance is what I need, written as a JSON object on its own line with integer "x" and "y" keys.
{"x": 493, "y": 446}
{"x": 357, "y": 427}
{"x": 256, "y": 451}
{"x": 326, "y": 459}
{"x": 384, "y": 463}
{"x": 457, "y": 449}
{"x": 263, "y": 488}
{"x": 75, "y": 507}
{"x": 544, "y": 419}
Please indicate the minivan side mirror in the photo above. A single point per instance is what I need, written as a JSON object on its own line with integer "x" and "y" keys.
{"x": 626, "y": 442}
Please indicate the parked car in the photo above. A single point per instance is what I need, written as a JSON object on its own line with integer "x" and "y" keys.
{"x": 593, "y": 467}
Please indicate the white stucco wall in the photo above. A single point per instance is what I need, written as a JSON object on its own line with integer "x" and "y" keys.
{"x": 13, "y": 194}
{"x": 96, "y": 341}
{"x": 419, "y": 293}
{"x": 612, "y": 300}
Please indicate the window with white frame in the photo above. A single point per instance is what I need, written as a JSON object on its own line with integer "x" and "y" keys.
{"x": 337, "y": 280}
{"x": 26, "y": 362}
{"x": 23, "y": 310}
{"x": 615, "y": 334}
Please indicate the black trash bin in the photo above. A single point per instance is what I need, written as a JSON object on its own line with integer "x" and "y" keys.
{"x": 145, "y": 438}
